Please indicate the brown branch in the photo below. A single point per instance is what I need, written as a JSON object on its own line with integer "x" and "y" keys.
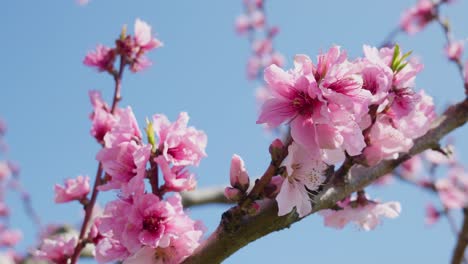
{"x": 89, "y": 207}
{"x": 211, "y": 195}
{"x": 222, "y": 243}
{"x": 459, "y": 251}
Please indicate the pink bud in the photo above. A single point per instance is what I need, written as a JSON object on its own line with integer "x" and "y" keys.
{"x": 75, "y": 189}
{"x": 454, "y": 50}
{"x": 276, "y": 148}
{"x": 273, "y": 188}
{"x": 258, "y": 19}
{"x": 4, "y": 170}
{"x": 9, "y": 238}
{"x": 432, "y": 215}
{"x": 277, "y": 143}
{"x": 238, "y": 174}
{"x": 242, "y": 24}
{"x": 273, "y": 31}
{"x": 4, "y": 211}
{"x": 232, "y": 194}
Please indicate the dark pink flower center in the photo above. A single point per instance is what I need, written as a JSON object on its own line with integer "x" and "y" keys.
{"x": 303, "y": 103}
{"x": 152, "y": 223}
{"x": 342, "y": 85}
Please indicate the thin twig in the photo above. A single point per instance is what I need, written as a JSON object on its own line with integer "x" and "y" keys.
{"x": 90, "y": 206}
{"x": 459, "y": 251}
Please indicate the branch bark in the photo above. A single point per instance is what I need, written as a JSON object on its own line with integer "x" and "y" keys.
{"x": 204, "y": 196}
{"x": 222, "y": 242}
{"x": 459, "y": 251}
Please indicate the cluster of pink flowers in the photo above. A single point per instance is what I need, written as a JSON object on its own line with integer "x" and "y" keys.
{"x": 340, "y": 107}
{"x": 131, "y": 49}
{"x": 417, "y": 17}
{"x": 362, "y": 212}
{"x": 56, "y": 250}
{"x": 139, "y": 222}
{"x": 9, "y": 172}
{"x": 253, "y": 23}
{"x": 452, "y": 189}
{"x": 139, "y": 226}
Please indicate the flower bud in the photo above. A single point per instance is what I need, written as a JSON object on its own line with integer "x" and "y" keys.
{"x": 276, "y": 148}
{"x": 273, "y": 188}
{"x": 238, "y": 174}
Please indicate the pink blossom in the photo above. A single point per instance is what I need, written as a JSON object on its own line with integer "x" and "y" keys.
{"x": 366, "y": 217}
{"x": 125, "y": 129}
{"x": 271, "y": 58}
{"x": 125, "y": 163}
{"x": 254, "y": 65}
{"x": 124, "y": 158}
{"x": 147, "y": 222}
{"x": 417, "y": 122}
{"x": 102, "y": 119}
{"x": 326, "y": 100}
{"x": 376, "y": 73}
{"x": 386, "y": 141}
{"x": 151, "y": 221}
{"x": 242, "y": 24}
{"x": 9, "y": 237}
{"x": 454, "y": 50}
{"x": 262, "y": 94}
{"x": 177, "y": 178}
{"x": 140, "y": 63}
{"x": 179, "y": 144}
{"x": 109, "y": 249}
{"x": 263, "y": 46}
{"x": 74, "y": 189}
{"x": 56, "y": 250}
{"x": 302, "y": 171}
{"x": 143, "y": 36}
{"x": 453, "y": 190}
{"x": 4, "y": 210}
{"x": 5, "y": 171}
{"x": 405, "y": 78}
{"x": 257, "y": 19}
{"x": 432, "y": 215}
{"x": 417, "y": 17}
{"x": 175, "y": 253}
{"x": 102, "y": 58}
{"x": 239, "y": 177}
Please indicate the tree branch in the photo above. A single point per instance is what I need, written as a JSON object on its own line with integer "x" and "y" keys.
{"x": 204, "y": 196}
{"x": 222, "y": 243}
{"x": 459, "y": 251}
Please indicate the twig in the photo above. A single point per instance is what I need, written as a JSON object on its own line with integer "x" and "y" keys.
{"x": 90, "y": 206}
{"x": 204, "y": 196}
{"x": 459, "y": 251}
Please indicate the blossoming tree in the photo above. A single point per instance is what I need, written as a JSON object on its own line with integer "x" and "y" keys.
{"x": 341, "y": 123}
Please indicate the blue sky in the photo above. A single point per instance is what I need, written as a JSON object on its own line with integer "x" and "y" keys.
{"x": 201, "y": 70}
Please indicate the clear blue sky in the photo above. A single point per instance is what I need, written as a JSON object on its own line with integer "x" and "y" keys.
{"x": 201, "y": 69}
